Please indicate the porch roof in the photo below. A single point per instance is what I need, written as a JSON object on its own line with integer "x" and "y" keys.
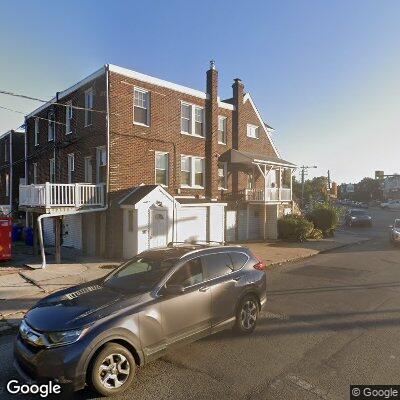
{"x": 245, "y": 157}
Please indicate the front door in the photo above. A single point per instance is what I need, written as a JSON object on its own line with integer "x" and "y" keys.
{"x": 158, "y": 228}
{"x": 187, "y": 316}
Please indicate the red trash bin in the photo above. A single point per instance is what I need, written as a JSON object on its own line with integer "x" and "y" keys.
{"x": 5, "y": 238}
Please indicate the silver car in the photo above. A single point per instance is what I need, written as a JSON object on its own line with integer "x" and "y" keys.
{"x": 100, "y": 332}
{"x": 395, "y": 232}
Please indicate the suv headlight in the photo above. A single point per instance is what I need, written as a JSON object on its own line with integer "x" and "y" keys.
{"x": 65, "y": 337}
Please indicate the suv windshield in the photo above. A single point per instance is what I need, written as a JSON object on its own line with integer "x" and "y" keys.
{"x": 139, "y": 274}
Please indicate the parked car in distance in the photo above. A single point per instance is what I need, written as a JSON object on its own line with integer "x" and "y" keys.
{"x": 395, "y": 231}
{"x": 391, "y": 205}
{"x": 358, "y": 217}
{"x": 100, "y": 332}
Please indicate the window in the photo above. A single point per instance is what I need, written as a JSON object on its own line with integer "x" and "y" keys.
{"x": 71, "y": 168}
{"x": 68, "y": 118}
{"x": 222, "y": 130}
{"x": 189, "y": 274}
{"x": 37, "y": 131}
{"x": 238, "y": 260}
{"x": 250, "y": 180}
{"x": 88, "y": 170}
{"x": 34, "y": 173}
{"x": 51, "y": 127}
{"x": 88, "y": 107}
{"x": 52, "y": 172}
{"x": 7, "y": 185}
{"x": 253, "y": 131}
{"x": 162, "y": 169}
{"x": 192, "y": 120}
{"x": 101, "y": 165}
{"x": 130, "y": 220}
{"x": 216, "y": 265}
{"x": 192, "y": 171}
{"x": 222, "y": 175}
{"x": 141, "y": 109}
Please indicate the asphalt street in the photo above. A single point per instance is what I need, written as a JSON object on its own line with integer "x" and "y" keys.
{"x": 330, "y": 321}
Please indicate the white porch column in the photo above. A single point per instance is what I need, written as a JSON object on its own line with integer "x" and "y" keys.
{"x": 291, "y": 184}
{"x": 280, "y": 184}
{"x": 265, "y": 183}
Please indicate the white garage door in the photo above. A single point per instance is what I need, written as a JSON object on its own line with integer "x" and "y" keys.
{"x": 72, "y": 231}
{"x": 192, "y": 224}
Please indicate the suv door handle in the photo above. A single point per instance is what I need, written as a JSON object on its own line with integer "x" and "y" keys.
{"x": 203, "y": 289}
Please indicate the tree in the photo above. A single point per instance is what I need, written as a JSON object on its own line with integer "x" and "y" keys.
{"x": 367, "y": 189}
{"x": 314, "y": 189}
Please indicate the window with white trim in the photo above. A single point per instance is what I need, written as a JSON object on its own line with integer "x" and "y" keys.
{"x": 71, "y": 168}
{"x": 34, "y": 173}
{"x": 89, "y": 94}
{"x": 88, "y": 170}
{"x": 192, "y": 171}
{"x": 37, "y": 131}
{"x": 192, "y": 120}
{"x": 68, "y": 118}
{"x": 222, "y": 175}
{"x": 222, "y": 130}
{"x": 101, "y": 165}
{"x": 52, "y": 170}
{"x": 51, "y": 126}
{"x": 162, "y": 168}
{"x": 141, "y": 108}
{"x": 7, "y": 185}
{"x": 253, "y": 131}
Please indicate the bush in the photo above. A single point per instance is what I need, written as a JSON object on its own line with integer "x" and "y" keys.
{"x": 325, "y": 218}
{"x": 294, "y": 227}
{"x": 316, "y": 234}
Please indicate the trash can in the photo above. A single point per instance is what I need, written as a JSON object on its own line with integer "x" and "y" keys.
{"x": 29, "y": 236}
{"x": 5, "y": 238}
{"x": 16, "y": 233}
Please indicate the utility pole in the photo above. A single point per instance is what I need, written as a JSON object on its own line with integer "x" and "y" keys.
{"x": 304, "y": 168}
{"x": 329, "y": 180}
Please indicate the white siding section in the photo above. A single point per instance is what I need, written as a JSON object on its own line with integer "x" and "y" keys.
{"x": 217, "y": 223}
{"x": 72, "y": 231}
{"x": 192, "y": 224}
{"x": 230, "y": 225}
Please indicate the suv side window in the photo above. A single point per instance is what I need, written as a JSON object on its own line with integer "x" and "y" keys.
{"x": 189, "y": 274}
{"x": 217, "y": 264}
{"x": 238, "y": 260}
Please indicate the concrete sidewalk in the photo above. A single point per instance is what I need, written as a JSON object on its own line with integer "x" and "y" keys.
{"x": 21, "y": 288}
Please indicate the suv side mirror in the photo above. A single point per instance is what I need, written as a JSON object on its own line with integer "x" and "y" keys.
{"x": 173, "y": 289}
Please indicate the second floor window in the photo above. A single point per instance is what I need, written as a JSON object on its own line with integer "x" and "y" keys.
{"x": 162, "y": 169}
{"x": 71, "y": 168}
{"x": 192, "y": 120}
{"x": 101, "y": 165}
{"x": 141, "y": 108}
{"x": 51, "y": 127}
{"x": 68, "y": 118}
{"x": 222, "y": 130}
{"x": 253, "y": 131}
{"x": 36, "y": 131}
{"x": 52, "y": 170}
{"x": 89, "y": 107}
{"x": 192, "y": 171}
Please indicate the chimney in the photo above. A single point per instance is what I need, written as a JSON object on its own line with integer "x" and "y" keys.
{"x": 238, "y": 91}
{"x": 211, "y": 119}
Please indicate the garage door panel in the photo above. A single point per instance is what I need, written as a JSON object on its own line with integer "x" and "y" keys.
{"x": 192, "y": 224}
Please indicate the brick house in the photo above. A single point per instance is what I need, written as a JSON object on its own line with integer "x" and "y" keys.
{"x": 11, "y": 169}
{"x": 129, "y": 162}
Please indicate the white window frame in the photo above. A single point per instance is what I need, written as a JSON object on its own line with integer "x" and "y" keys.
{"x": 147, "y": 93}
{"x": 192, "y": 171}
{"x": 71, "y": 166}
{"x": 225, "y": 168}
{"x": 161, "y": 153}
{"x": 250, "y": 129}
{"x": 34, "y": 173}
{"x": 68, "y": 118}
{"x": 37, "y": 121}
{"x": 88, "y": 179}
{"x": 7, "y": 185}
{"x": 51, "y": 126}
{"x": 89, "y": 99}
{"x": 225, "y": 119}
{"x": 192, "y": 124}
{"x": 52, "y": 170}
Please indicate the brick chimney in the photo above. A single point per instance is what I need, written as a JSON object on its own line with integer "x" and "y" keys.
{"x": 211, "y": 115}
{"x": 238, "y": 91}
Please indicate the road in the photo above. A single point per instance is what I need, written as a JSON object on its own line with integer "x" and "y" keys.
{"x": 331, "y": 320}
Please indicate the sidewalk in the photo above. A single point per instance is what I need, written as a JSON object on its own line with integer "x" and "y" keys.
{"x": 22, "y": 287}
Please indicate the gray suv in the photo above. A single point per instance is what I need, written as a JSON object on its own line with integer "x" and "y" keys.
{"x": 100, "y": 332}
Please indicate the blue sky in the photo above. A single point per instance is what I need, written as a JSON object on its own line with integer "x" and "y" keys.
{"x": 324, "y": 74}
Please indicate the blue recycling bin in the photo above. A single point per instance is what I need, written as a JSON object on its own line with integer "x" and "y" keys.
{"x": 16, "y": 233}
{"x": 29, "y": 236}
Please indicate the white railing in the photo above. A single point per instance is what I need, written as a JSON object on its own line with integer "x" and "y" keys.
{"x": 270, "y": 194}
{"x": 61, "y": 195}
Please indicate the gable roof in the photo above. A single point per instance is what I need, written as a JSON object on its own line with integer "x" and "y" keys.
{"x": 136, "y": 195}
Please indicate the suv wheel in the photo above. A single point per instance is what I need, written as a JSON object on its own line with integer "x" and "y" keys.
{"x": 112, "y": 370}
{"x": 246, "y": 315}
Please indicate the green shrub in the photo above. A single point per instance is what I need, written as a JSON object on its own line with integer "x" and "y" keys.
{"x": 316, "y": 234}
{"x": 294, "y": 227}
{"x": 325, "y": 218}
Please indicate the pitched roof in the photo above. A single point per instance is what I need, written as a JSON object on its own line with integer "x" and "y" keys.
{"x": 137, "y": 194}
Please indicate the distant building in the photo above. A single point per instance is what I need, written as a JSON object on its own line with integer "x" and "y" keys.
{"x": 391, "y": 187}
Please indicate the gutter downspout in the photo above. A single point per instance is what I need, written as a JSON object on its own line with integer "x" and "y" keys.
{"x": 39, "y": 220}
{"x": 11, "y": 174}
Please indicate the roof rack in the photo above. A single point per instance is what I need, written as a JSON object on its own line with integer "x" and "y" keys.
{"x": 193, "y": 243}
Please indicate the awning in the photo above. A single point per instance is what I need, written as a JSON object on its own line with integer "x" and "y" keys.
{"x": 248, "y": 158}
